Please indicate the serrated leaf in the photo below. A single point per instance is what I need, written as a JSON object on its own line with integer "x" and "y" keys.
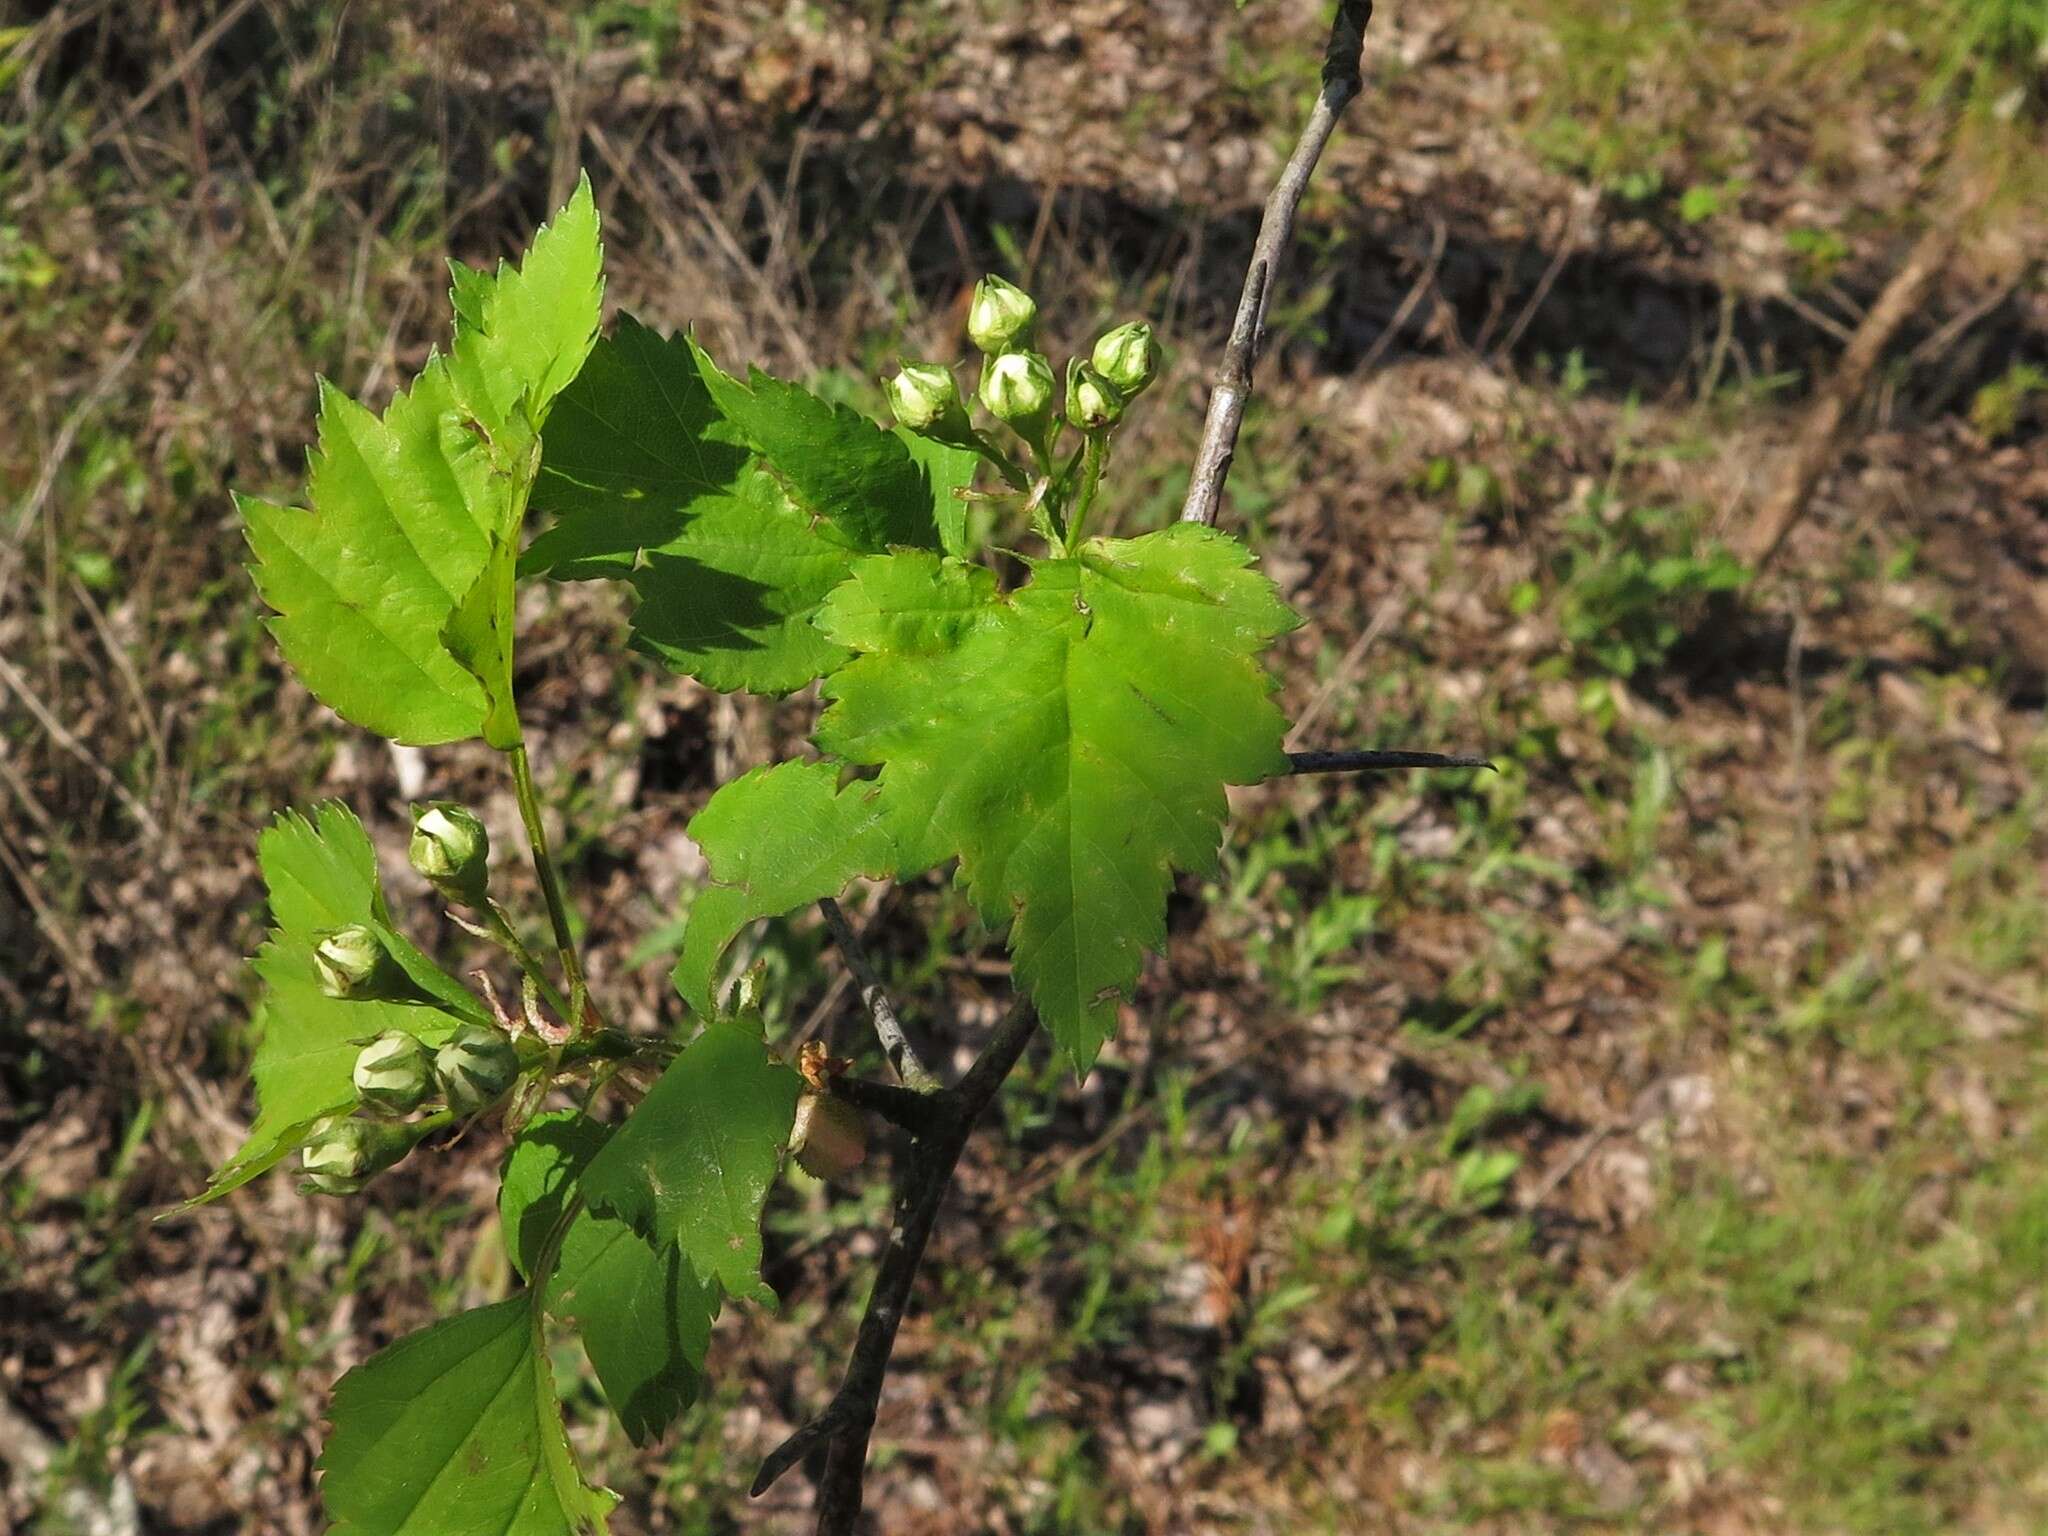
{"x": 404, "y": 507}
{"x": 948, "y": 471}
{"x": 456, "y": 1431}
{"x": 637, "y": 458}
{"x": 838, "y": 464}
{"x": 692, "y": 1164}
{"x": 322, "y": 875}
{"x": 1069, "y": 741}
{"x": 523, "y": 333}
{"x": 776, "y": 839}
{"x": 645, "y": 1317}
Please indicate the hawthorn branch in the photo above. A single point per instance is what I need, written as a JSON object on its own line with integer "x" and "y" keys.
{"x": 1343, "y": 79}
{"x": 888, "y": 1028}
{"x": 846, "y": 1423}
{"x": 844, "y": 1426}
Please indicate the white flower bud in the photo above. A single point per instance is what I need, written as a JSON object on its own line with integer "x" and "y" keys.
{"x": 342, "y": 1155}
{"x": 925, "y": 396}
{"x": 353, "y": 963}
{"x": 829, "y": 1137}
{"x": 476, "y": 1068}
{"x": 1128, "y": 357}
{"x": 1001, "y": 316}
{"x": 452, "y": 850}
{"x": 1093, "y": 403}
{"x": 394, "y": 1073}
{"x": 1017, "y": 388}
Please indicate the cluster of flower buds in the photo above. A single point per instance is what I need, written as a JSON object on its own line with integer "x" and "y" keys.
{"x": 396, "y": 1074}
{"x": 1018, "y": 386}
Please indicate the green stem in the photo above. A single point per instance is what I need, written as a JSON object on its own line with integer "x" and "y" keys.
{"x": 550, "y": 880}
{"x": 1094, "y": 454}
{"x": 501, "y": 929}
{"x": 1007, "y": 467}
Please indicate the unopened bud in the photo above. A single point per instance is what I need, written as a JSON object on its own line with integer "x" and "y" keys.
{"x": 1128, "y": 357}
{"x": 353, "y": 963}
{"x": 1017, "y": 388}
{"x": 1093, "y": 403}
{"x": 925, "y": 396}
{"x": 394, "y": 1073}
{"x": 342, "y": 1155}
{"x": 829, "y": 1137}
{"x": 476, "y": 1068}
{"x": 453, "y": 851}
{"x": 1001, "y": 316}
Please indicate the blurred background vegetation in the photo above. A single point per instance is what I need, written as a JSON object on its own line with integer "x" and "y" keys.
{"x": 1647, "y": 1137}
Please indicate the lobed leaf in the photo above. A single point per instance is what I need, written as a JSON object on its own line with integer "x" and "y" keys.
{"x": 692, "y": 1164}
{"x": 638, "y": 458}
{"x": 456, "y": 1431}
{"x": 776, "y": 839}
{"x": 837, "y": 464}
{"x": 404, "y": 507}
{"x": 1069, "y": 741}
{"x": 644, "y": 1316}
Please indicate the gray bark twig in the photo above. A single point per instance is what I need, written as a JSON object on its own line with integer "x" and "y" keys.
{"x": 1343, "y": 79}
{"x": 896, "y": 1045}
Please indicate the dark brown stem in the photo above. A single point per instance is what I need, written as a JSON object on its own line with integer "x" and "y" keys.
{"x": 1378, "y": 762}
{"x": 847, "y": 1422}
{"x": 1343, "y": 79}
{"x": 921, "y": 1114}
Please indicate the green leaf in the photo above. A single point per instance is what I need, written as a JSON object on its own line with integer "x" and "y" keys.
{"x": 404, "y": 507}
{"x": 522, "y": 335}
{"x": 948, "y": 470}
{"x": 403, "y": 513}
{"x": 322, "y": 875}
{"x": 456, "y": 1431}
{"x": 776, "y": 839}
{"x": 638, "y": 458}
{"x": 731, "y": 600}
{"x": 836, "y": 463}
{"x": 1069, "y": 741}
{"x": 479, "y": 636}
{"x": 692, "y": 1164}
{"x": 644, "y": 1316}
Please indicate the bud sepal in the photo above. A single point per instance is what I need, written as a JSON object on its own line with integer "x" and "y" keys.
{"x": 1093, "y": 403}
{"x": 1017, "y": 388}
{"x": 353, "y": 964}
{"x": 342, "y": 1155}
{"x": 394, "y": 1073}
{"x": 926, "y": 399}
{"x": 1128, "y": 357}
{"x": 1001, "y": 317}
{"x": 452, "y": 851}
{"x": 476, "y": 1068}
